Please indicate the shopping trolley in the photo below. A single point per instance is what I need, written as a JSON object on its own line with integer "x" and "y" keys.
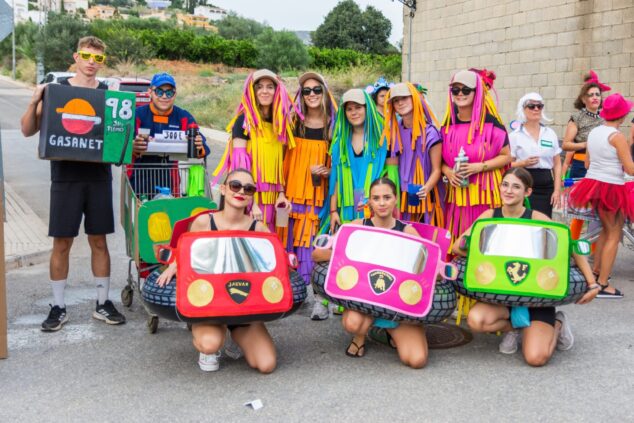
{"x": 153, "y": 198}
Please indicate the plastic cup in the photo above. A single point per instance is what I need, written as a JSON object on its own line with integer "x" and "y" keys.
{"x": 359, "y": 197}
{"x": 316, "y": 180}
{"x": 412, "y": 194}
{"x": 216, "y": 195}
{"x": 281, "y": 216}
{"x": 144, "y": 132}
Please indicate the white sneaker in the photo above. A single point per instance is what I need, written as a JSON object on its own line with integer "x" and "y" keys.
{"x": 232, "y": 349}
{"x": 320, "y": 311}
{"x": 565, "y": 340}
{"x": 510, "y": 341}
{"x": 209, "y": 362}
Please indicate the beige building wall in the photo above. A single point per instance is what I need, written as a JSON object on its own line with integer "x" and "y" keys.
{"x": 532, "y": 45}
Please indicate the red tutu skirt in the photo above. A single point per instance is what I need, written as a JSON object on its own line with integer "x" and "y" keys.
{"x": 611, "y": 198}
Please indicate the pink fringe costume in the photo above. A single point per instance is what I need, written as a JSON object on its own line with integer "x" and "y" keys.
{"x": 482, "y": 139}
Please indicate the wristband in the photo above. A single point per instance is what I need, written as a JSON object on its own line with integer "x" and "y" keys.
{"x": 594, "y": 286}
{"x": 333, "y": 211}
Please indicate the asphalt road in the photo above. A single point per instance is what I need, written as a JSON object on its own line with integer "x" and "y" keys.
{"x": 92, "y": 372}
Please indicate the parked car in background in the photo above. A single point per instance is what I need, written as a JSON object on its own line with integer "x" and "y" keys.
{"x": 139, "y": 86}
{"x": 55, "y": 77}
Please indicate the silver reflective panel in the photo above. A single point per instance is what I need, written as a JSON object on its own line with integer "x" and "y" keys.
{"x": 385, "y": 250}
{"x": 232, "y": 255}
{"x": 521, "y": 241}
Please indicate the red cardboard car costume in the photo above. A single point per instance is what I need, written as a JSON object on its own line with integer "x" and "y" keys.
{"x": 226, "y": 277}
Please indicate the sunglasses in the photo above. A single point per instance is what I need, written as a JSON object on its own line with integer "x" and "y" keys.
{"x": 464, "y": 90}
{"x": 590, "y": 95}
{"x": 98, "y": 58}
{"x": 236, "y": 186}
{"x": 169, "y": 93}
{"x": 534, "y": 106}
{"x": 317, "y": 90}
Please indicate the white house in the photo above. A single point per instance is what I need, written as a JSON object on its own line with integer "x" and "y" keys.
{"x": 71, "y": 6}
{"x": 210, "y": 12}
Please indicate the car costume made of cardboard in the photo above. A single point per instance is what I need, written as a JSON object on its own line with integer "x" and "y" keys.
{"x": 225, "y": 277}
{"x": 387, "y": 274}
{"x": 520, "y": 262}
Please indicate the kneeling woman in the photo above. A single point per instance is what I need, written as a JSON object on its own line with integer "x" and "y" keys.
{"x": 409, "y": 339}
{"x": 253, "y": 338}
{"x": 548, "y": 329}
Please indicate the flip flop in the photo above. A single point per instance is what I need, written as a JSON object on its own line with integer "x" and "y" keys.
{"x": 360, "y": 350}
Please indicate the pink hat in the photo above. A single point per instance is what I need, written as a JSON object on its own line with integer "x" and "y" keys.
{"x": 615, "y": 107}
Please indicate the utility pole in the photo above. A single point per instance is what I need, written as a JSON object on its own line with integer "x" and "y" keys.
{"x": 411, "y": 4}
{"x": 13, "y": 43}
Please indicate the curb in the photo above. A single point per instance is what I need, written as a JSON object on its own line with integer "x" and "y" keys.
{"x": 17, "y": 261}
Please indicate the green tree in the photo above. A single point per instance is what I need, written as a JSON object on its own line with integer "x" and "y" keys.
{"x": 347, "y": 27}
{"x": 280, "y": 50}
{"x": 376, "y": 31}
{"x": 342, "y": 28}
{"x": 57, "y": 40}
{"x": 234, "y": 27}
{"x": 25, "y": 34}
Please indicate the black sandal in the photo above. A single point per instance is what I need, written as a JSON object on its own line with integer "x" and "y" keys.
{"x": 596, "y": 277}
{"x": 609, "y": 295}
{"x": 360, "y": 350}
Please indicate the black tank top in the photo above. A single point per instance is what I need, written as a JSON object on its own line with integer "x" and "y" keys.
{"x": 213, "y": 226}
{"x": 528, "y": 213}
{"x": 398, "y": 226}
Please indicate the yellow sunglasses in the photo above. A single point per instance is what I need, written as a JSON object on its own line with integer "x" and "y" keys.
{"x": 98, "y": 58}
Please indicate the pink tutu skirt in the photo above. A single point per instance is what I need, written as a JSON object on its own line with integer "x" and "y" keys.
{"x": 611, "y": 198}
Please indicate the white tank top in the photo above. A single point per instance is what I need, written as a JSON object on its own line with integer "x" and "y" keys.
{"x": 605, "y": 165}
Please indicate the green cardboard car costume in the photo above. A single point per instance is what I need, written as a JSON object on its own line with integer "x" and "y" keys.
{"x": 520, "y": 262}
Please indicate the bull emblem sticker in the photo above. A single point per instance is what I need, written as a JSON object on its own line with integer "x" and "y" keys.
{"x": 238, "y": 290}
{"x": 380, "y": 281}
{"x": 517, "y": 271}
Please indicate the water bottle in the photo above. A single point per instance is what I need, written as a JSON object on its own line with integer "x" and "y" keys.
{"x": 458, "y": 161}
{"x": 192, "y": 132}
{"x": 163, "y": 192}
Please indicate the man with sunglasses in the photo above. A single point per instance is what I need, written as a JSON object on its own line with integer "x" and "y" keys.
{"x": 160, "y": 118}
{"x": 78, "y": 190}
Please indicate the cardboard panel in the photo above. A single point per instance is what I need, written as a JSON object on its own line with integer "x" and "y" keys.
{"x": 88, "y": 125}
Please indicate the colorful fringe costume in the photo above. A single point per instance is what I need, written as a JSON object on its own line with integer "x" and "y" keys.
{"x": 482, "y": 139}
{"x": 412, "y": 147}
{"x": 264, "y": 152}
{"x": 351, "y": 171}
{"x": 311, "y": 148}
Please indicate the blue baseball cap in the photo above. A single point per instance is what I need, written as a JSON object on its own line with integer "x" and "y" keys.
{"x": 163, "y": 79}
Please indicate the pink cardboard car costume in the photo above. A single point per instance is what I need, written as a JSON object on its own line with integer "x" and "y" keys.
{"x": 387, "y": 274}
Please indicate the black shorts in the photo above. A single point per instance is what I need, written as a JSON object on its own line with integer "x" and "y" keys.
{"x": 234, "y": 327}
{"x": 70, "y": 201}
{"x": 541, "y": 314}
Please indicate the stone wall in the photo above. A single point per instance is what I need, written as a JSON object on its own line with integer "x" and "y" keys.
{"x": 532, "y": 45}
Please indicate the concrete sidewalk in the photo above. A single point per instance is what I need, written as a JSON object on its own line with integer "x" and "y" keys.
{"x": 25, "y": 235}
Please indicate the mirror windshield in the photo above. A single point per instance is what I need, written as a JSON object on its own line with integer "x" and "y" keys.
{"x": 509, "y": 240}
{"x": 386, "y": 250}
{"x": 232, "y": 255}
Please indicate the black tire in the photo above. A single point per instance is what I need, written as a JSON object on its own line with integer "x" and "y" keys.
{"x": 127, "y": 295}
{"x": 152, "y": 324}
{"x": 577, "y": 286}
{"x": 444, "y": 302}
{"x": 162, "y": 301}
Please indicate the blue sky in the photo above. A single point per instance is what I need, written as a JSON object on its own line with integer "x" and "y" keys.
{"x": 302, "y": 15}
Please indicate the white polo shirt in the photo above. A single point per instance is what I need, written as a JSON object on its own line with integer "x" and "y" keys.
{"x": 524, "y": 146}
